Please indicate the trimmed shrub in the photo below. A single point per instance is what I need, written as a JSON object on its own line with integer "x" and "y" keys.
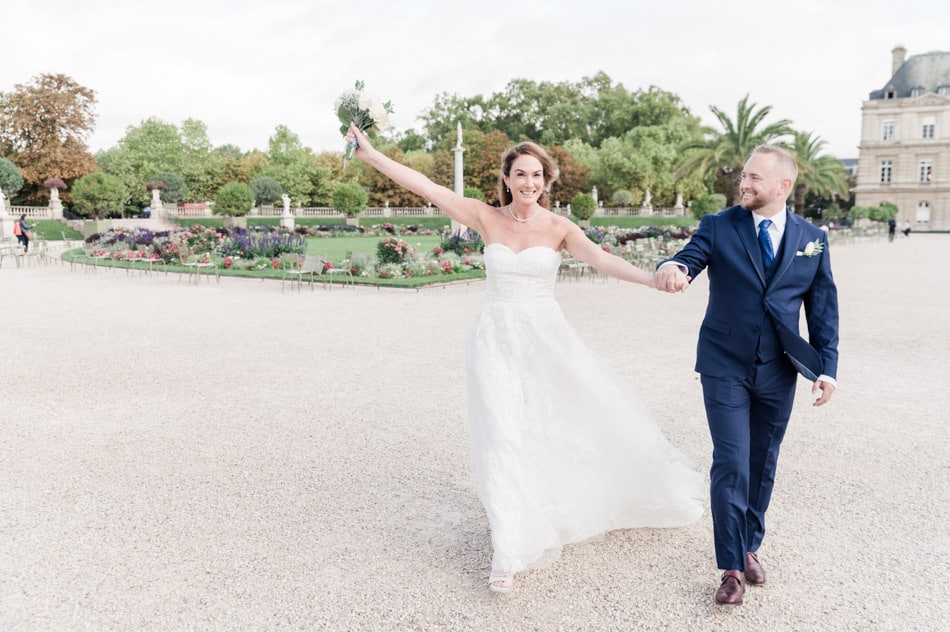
{"x": 175, "y": 188}
{"x": 583, "y": 206}
{"x": 707, "y": 204}
{"x": 234, "y": 199}
{"x": 266, "y": 190}
{"x": 98, "y": 194}
{"x": 10, "y": 179}
{"x": 350, "y": 199}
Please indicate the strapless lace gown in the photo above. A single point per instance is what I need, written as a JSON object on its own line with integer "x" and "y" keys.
{"x": 563, "y": 450}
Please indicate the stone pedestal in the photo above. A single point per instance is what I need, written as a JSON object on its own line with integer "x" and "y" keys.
{"x": 55, "y": 206}
{"x": 157, "y": 209}
{"x": 678, "y": 208}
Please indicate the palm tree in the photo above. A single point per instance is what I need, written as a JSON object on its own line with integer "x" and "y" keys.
{"x": 821, "y": 174}
{"x": 723, "y": 154}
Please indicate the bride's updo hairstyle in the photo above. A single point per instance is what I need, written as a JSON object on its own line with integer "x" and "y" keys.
{"x": 548, "y": 166}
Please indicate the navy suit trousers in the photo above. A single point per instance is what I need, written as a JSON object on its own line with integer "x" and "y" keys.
{"x": 747, "y": 420}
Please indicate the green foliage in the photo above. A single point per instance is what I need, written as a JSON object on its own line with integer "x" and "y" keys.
{"x": 474, "y": 192}
{"x": 99, "y": 194}
{"x": 175, "y": 188}
{"x": 583, "y": 206}
{"x": 10, "y": 179}
{"x": 721, "y": 155}
{"x": 350, "y": 199}
{"x": 588, "y": 111}
{"x": 266, "y": 190}
{"x": 234, "y": 199}
{"x": 859, "y": 212}
{"x": 707, "y": 204}
{"x": 621, "y": 197}
{"x": 883, "y": 212}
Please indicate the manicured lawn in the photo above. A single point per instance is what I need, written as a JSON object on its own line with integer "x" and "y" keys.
{"x": 336, "y": 248}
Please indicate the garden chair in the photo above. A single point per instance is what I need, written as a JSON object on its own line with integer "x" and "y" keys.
{"x": 329, "y": 273}
{"x": 194, "y": 263}
{"x": 312, "y": 265}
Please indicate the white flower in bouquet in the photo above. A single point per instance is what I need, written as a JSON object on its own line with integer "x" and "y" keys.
{"x": 368, "y": 113}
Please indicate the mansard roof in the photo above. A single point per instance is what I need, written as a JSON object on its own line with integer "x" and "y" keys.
{"x": 929, "y": 72}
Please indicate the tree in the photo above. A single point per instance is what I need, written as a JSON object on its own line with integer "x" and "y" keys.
{"x": 291, "y": 164}
{"x": 723, "y": 154}
{"x": 43, "y": 129}
{"x": 235, "y": 199}
{"x": 200, "y": 166}
{"x": 98, "y": 195}
{"x": 175, "y": 188}
{"x": 822, "y": 174}
{"x": 350, "y": 199}
{"x": 10, "y": 179}
{"x": 573, "y": 177}
{"x": 152, "y": 147}
{"x": 266, "y": 190}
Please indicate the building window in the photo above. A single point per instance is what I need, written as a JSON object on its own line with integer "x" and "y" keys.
{"x": 887, "y": 131}
{"x": 943, "y": 91}
{"x": 927, "y": 128}
{"x": 916, "y": 92}
{"x": 926, "y": 170}
{"x": 887, "y": 167}
{"x": 923, "y": 213}
{"x": 889, "y": 94}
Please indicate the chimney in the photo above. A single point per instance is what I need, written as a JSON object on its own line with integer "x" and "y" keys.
{"x": 899, "y": 54}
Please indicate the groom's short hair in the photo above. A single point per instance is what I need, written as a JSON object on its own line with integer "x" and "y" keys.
{"x": 787, "y": 164}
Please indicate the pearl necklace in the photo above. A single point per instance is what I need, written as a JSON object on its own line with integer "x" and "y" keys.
{"x": 526, "y": 219}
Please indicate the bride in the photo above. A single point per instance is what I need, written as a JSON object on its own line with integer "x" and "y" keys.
{"x": 563, "y": 450}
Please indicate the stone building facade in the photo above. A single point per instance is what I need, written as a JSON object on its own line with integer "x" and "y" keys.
{"x": 904, "y": 156}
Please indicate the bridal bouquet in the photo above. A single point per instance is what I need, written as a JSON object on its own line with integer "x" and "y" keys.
{"x": 367, "y": 112}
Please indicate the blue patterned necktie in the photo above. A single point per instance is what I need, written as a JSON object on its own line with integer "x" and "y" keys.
{"x": 766, "y": 242}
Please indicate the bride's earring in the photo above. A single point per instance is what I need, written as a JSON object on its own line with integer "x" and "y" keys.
{"x": 507, "y": 190}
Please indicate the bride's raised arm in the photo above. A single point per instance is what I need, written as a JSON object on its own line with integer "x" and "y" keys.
{"x": 464, "y": 210}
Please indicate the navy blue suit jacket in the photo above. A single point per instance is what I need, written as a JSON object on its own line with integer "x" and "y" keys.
{"x": 743, "y": 298}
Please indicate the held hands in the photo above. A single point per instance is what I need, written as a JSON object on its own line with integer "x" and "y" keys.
{"x": 670, "y": 278}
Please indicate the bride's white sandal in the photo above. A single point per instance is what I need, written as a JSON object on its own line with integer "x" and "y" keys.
{"x": 501, "y": 582}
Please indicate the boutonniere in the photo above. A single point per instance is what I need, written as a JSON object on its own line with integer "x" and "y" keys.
{"x": 811, "y": 249}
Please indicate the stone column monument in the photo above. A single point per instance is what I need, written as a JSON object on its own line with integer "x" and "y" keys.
{"x": 459, "y": 182}
{"x": 678, "y": 208}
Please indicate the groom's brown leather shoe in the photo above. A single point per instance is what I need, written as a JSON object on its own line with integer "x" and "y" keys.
{"x": 754, "y": 573}
{"x": 731, "y": 589}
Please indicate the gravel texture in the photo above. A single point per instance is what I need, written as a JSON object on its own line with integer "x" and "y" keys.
{"x": 179, "y": 456}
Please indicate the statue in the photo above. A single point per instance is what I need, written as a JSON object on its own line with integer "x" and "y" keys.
{"x": 286, "y": 219}
{"x": 646, "y": 198}
{"x": 3, "y": 205}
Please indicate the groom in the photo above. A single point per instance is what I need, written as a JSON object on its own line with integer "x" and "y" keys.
{"x": 764, "y": 264}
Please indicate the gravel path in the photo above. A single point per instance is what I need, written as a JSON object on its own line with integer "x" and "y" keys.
{"x": 230, "y": 457}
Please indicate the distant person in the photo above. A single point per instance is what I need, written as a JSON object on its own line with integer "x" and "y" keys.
{"x": 22, "y": 232}
{"x": 906, "y": 228}
{"x": 891, "y": 229}
{"x": 147, "y": 211}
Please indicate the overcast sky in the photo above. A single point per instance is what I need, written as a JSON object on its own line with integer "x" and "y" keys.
{"x": 245, "y": 67}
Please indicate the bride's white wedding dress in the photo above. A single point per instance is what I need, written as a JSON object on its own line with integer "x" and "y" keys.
{"x": 563, "y": 448}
